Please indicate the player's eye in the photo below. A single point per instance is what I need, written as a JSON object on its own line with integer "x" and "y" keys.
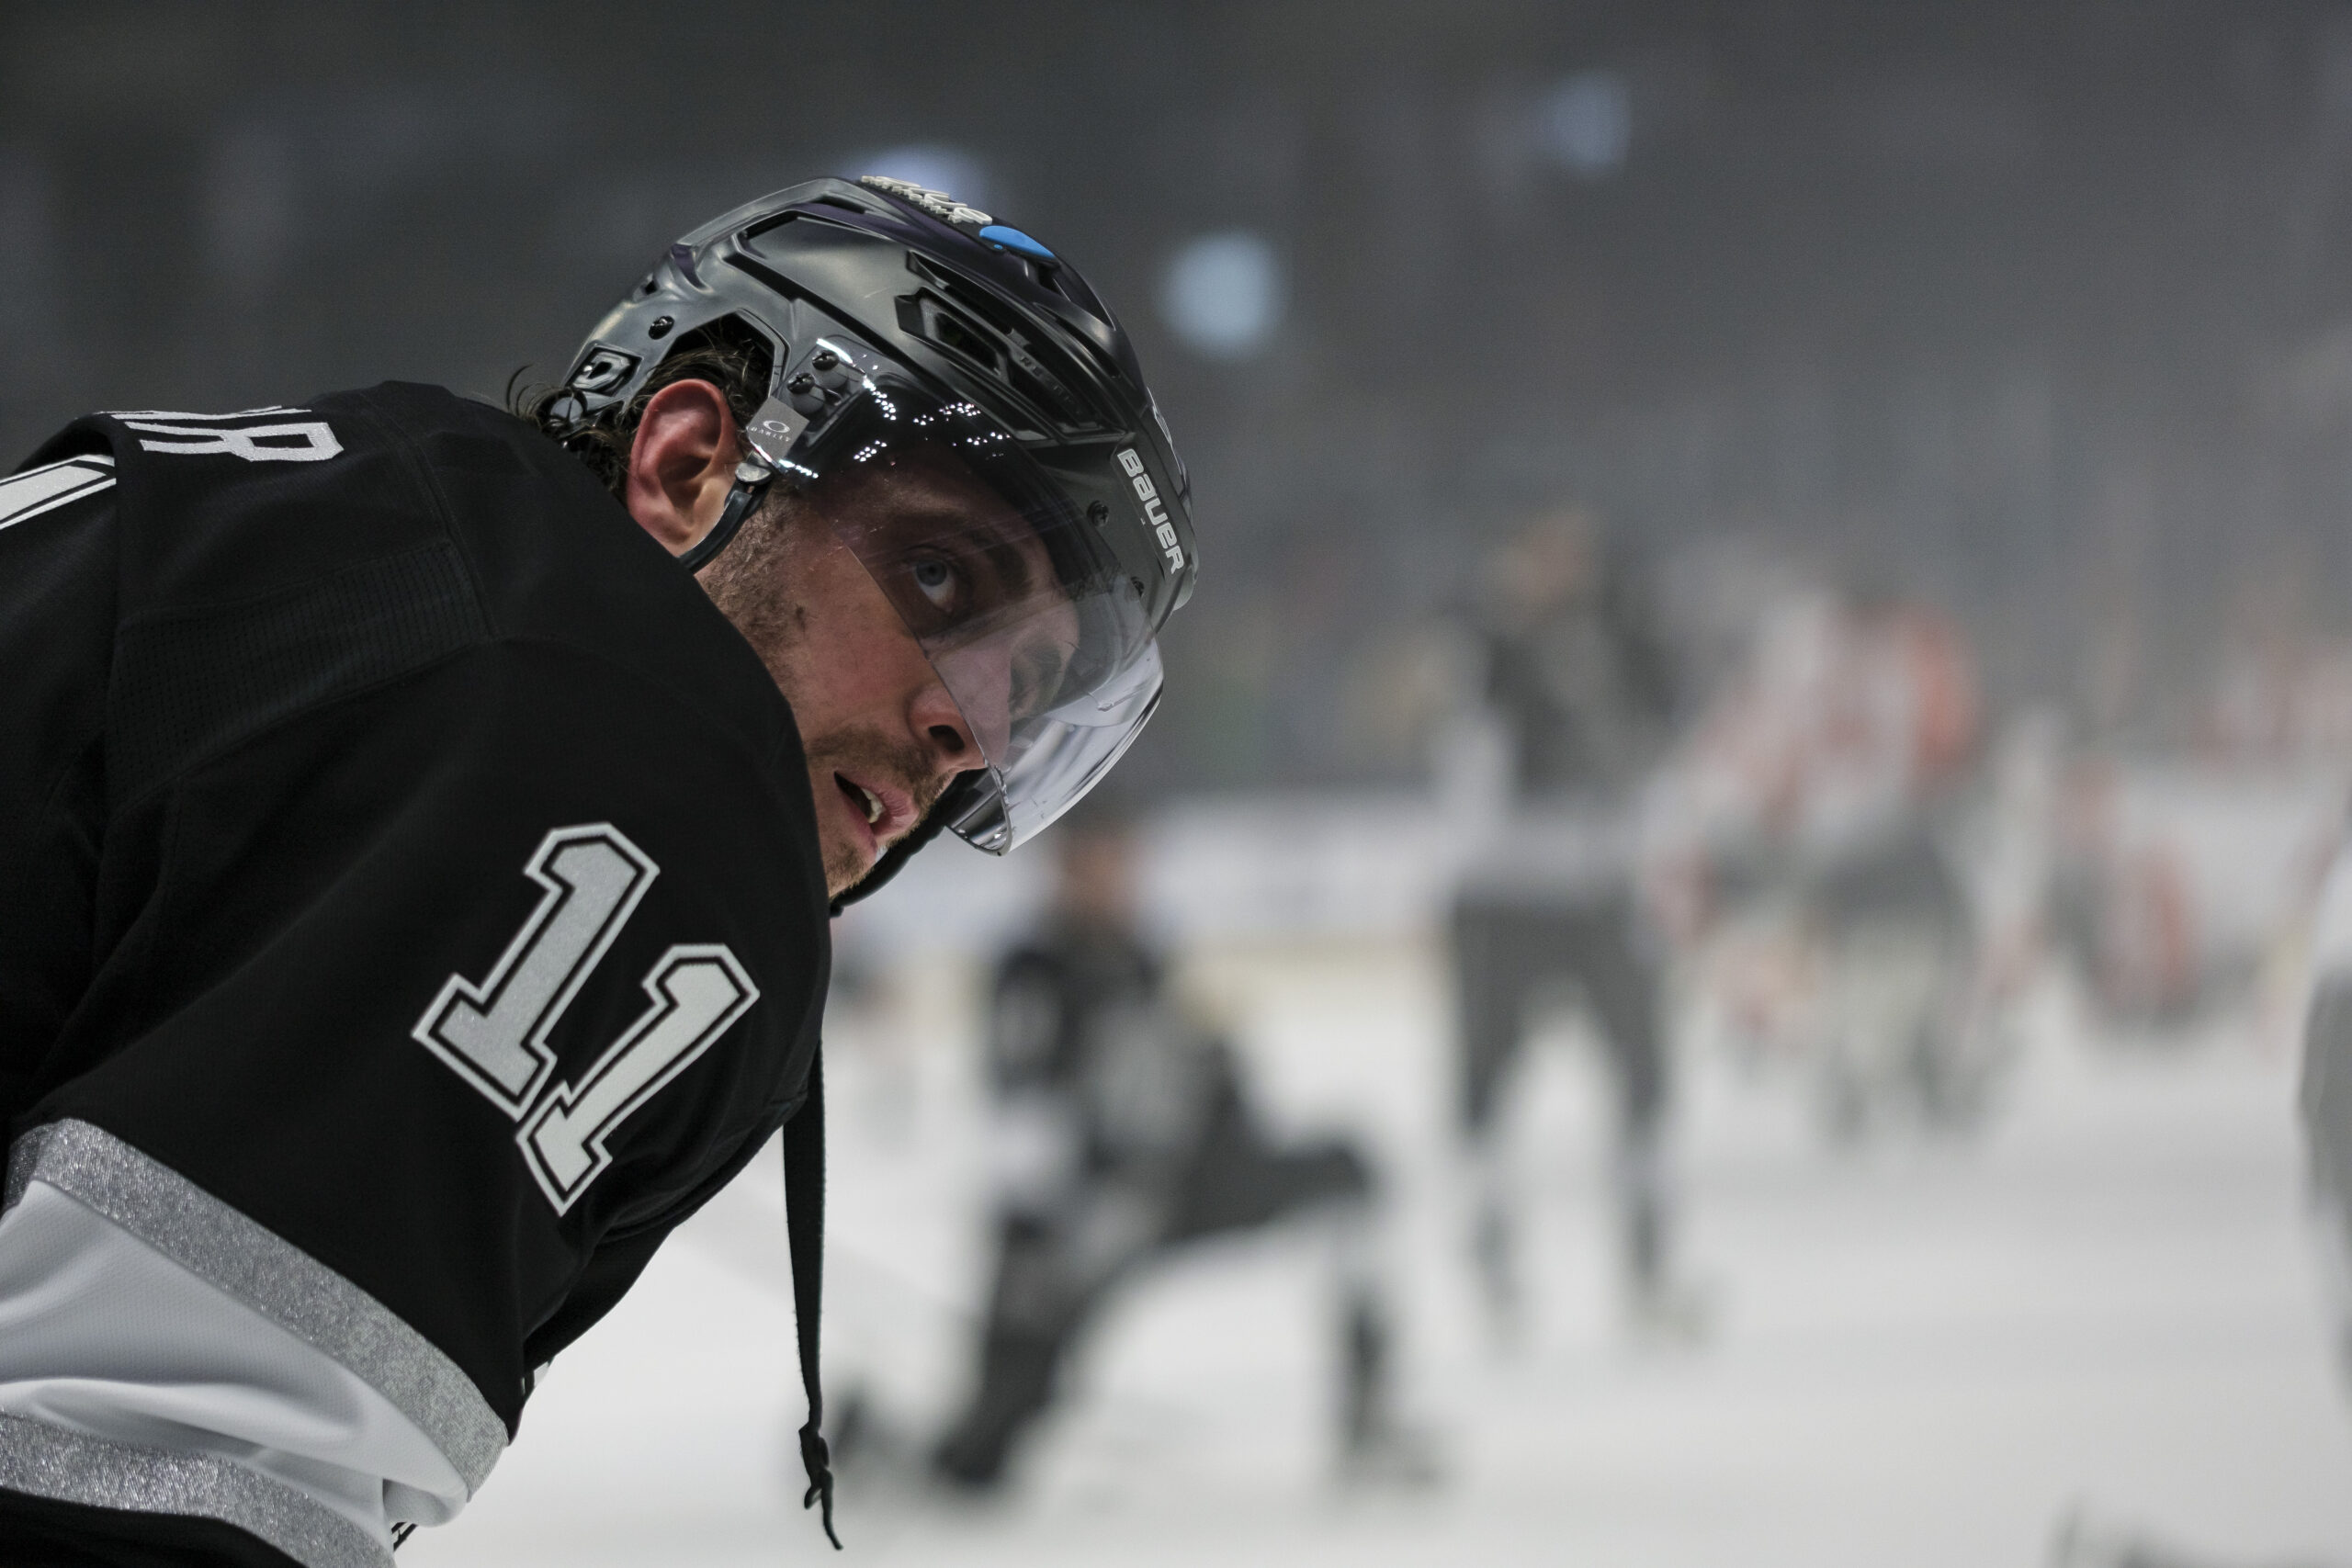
{"x": 940, "y": 582}
{"x": 937, "y": 580}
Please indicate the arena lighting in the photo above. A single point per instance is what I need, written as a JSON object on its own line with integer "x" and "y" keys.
{"x": 1585, "y": 124}
{"x": 1222, "y": 294}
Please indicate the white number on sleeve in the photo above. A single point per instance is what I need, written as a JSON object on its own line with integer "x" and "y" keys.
{"x": 696, "y": 992}
{"x": 494, "y": 1032}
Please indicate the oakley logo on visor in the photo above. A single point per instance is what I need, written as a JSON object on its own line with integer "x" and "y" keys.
{"x": 1155, "y": 511}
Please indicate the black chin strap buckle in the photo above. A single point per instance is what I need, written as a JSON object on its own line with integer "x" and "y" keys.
{"x": 751, "y": 484}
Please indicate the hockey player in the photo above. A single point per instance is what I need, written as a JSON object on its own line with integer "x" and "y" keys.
{"x": 1122, "y": 1133}
{"x": 419, "y": 834}
{"x": 1819, "y": 783}
{"x": 1579, "y": 682}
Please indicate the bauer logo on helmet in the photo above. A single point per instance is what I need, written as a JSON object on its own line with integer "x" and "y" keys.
{"x": 1155, "y": 511}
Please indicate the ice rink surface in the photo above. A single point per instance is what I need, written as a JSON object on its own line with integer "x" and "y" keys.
{"x": 1926, "y": 1352}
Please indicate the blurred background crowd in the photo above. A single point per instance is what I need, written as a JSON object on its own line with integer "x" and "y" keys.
{"x": 1708, "y": 957}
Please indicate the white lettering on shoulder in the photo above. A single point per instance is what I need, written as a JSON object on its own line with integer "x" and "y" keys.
{"x": 297, "y": 441}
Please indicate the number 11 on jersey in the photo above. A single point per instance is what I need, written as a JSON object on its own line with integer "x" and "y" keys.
{"x": 494, "y": 1033}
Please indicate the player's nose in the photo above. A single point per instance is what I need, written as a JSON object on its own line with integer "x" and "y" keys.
{"x": 942, "y": 731}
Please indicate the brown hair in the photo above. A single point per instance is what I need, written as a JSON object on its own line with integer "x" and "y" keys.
{"x": 728, "y": 355}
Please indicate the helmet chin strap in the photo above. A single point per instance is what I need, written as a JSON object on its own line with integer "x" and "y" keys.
{"x": 751, "y": 484}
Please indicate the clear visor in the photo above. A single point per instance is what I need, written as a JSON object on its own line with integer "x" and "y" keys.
{"x": 1010, "y": 590}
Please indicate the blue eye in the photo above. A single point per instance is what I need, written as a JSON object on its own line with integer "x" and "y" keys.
{"x": 937, "y": 580}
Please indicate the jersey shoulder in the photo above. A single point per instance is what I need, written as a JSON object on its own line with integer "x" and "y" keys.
{"x": 271, "y": 559}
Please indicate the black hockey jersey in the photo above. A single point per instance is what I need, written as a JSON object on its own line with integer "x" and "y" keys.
{"x": 1080, "y": 1020}
{"x": 414, "y": 907}
{"x": 1051, "y": 992}
{"x": 1588, "y": 688}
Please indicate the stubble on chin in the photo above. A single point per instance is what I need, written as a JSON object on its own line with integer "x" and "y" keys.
{"x": 846, "y": 864}
{"x": 750, "y": 584}
{"x": 870, "y": 758}
{"x": 753, "y": 584}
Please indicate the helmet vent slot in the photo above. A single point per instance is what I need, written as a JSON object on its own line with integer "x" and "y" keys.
{"x": 1041, "y": 387}
{"x": 965, "y": 295}
{"x": 767, "y": 226}
{"x": 951, "y": 332}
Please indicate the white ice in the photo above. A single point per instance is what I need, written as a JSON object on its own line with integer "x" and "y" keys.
{"x": 1928, "y": 1353}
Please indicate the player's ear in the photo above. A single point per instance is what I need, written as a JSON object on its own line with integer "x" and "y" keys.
{"x": 681, "y": 463}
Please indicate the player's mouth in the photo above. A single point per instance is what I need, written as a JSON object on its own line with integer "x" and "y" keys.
{"x": 876, "y": 812}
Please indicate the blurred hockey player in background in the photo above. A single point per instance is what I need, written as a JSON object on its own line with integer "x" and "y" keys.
{"x": 2217, "y": 879}
{"x": 1123, "y": 1130}
{"x": 2185, "y": 878}
{"x": 1811, "y": 802}
{"x": 1577, "y": 696}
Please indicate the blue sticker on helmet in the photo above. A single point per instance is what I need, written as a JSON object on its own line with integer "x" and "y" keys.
{"x": 1012, "y": 239}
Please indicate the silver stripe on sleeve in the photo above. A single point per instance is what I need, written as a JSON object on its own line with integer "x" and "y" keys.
{"x": 51, "y": 485}
{"x": 286, "y": 1284}
{"x": 184, "y": 414}
{"x": 51, "y": 1461}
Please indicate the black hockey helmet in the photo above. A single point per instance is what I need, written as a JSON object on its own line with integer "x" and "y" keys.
{"x": 906, "y": 328}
